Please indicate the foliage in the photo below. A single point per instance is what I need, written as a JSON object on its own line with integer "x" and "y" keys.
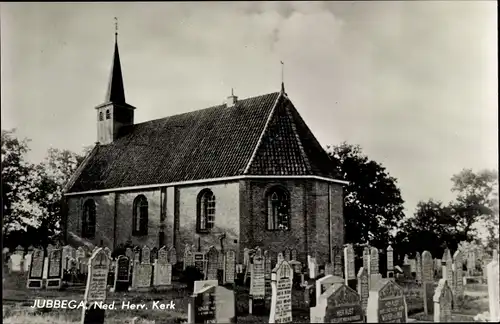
{"x": 372, "y": 201}
{"x": 32, "y": 193}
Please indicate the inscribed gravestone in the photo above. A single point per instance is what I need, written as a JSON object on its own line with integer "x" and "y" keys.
{"x": 339, "y": 304}
{"x": 363, "y": 287}
{"x": 374, "y": 261}
{"x": 146, "y": 255}
{"x": 16, "y": 261}
{"x": 294, "y": 255}
{"x": 212, "y": 264}
{"x": 313, "y": 268}
{"x": 172, "y": 255}
{"x": 329, "y": 269}
{"x": 137, "y": 255}
{"x": 54, "y": 275}
{"x": 162, "y": 270}
{"x": 428, "y": 282}
{"x": 200, "y": 262}
{"x": 493, "y": 290}
{"x": 129, "y": 253}
{"x": 188, "y": 259}
{"x": 122, "y": 273}
{"x": 350, "y": 271}
{"x": 413, "y": 266}
{"x": 390, "y": 261}
{"x": 230, "y": 267}
{"x": 366, "y": 259}
{"x": 287, "y": 255}
{"x": 95, "y": 291}
{"x": 212, "y": 304}
{"x": 280, "y": 258}
{"x": 257, "y": 282}
{"x": 458, "y": 283}
{"x": 418, "y": 261}
{"x": 35, "y": 275}
{"x": 386, "y": 303}
{"x": 443, "y": 298}
{"x": 337, "y": 262}
{"x": 141, "y": 277}
{"x": 281, "y": 300}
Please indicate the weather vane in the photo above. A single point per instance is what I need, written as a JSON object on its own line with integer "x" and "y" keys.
{"x": 116, "y": 27}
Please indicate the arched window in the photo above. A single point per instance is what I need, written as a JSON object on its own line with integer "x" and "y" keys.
{"x": 100, "y": 116}
{"x": 108, "y": 115}
{"x": 88, "y": 219}
{"x": 278, "y": 210}
{"x": 140, "y": 216}
{"x": 205, "y": 219}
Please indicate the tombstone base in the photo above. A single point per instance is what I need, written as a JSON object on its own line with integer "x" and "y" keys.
{"x": 34, "y": 284}
{"x": 162, "y": 287}
{"x": 139, "y": 289}
{"x": 93, "y": 315}
{"x": 256, "y": 306}
{"x": 53, "y": 284}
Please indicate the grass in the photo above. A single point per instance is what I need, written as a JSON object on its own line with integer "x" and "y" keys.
{"x": 17, "y": 299}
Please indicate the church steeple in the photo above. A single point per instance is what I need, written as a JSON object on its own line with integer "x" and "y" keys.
{"x": 116, "y": 91}
{"x": 114, "y": 115}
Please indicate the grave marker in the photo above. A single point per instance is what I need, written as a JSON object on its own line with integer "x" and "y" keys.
{"x": 428, "y": 282}
{"x": 390, "y": 262}
{"x": 162, "y": 271}
{"x": 294, "y": 255}
{"x": 16, "y": 260}
{"x": 280, "y": 258}
{"x": 246, "y": 257}
{"x": 212, "y": 304}
{"x": 96, "y": 288}
{"x": 200, "y": 262}
{"x": 443, "y": 298}
{"x": 146, "y": 255}
{"x": 337, "y": 263}
{"x": 27, "y": 261}
{"x": 172, "y": 256}
{"x": 313, "y": 268}
{"x": 329, "y": 269}
{"x": 268, "y": 266}
{"x": 375, "y": 275}
{"x": 493, "y": 291}
{"x": 350, "y": 271}
{"x": 212, "y": 264}
{"x": 55, "y": 273}
{"x": 287, "y": 255}
{"x": 281, "y": 300}
{"x": 386, "y": 303}
{"x": 366, "y": 259}
{"x": 324, "y": 283}
{"x": 458, "y": 282}
{"x": 35, "y": 276}
{"x": 188, "y": 258}
{"x": 339, "y": 304}
{"x": 419, "y": 268}
{"x": 141, "y": 276}
{"x": 122, "y": 274}
{"x": 257, "y": 283}
{"x": 363, "y": 287}
{"x": 154, "y": 255}
{"x": 229, "y": 267}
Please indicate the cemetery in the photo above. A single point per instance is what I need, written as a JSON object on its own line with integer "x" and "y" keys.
{"x": 151, "y": 285}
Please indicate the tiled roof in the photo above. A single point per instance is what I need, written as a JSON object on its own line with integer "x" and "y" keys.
{"x": 210, "y": 143}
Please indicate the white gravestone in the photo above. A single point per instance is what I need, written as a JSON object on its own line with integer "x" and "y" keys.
{"x": 390, "y": 262}
{"x": 162, "y": 278}
{"x": 35, "y": 275}
{"x": 257, "y": 281}
{"x": 443, "y": 298}
{"x": 322, "y": 284}
{"x": 428, "y": 282}
{"x": 366, "y": 259}
{"x": 458, "y": 282}
{"x": 493, "y": 291}
{"x": 419, "y": 268}
{"x": 281, "y": 300}
{"x": 363, "y": 287}
{"x": 96, "y": 288}
{"x": 229, "y": 267}
{"x": 350, "y": 271}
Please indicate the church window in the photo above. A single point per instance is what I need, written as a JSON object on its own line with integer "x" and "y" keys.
{"x": 140, "y": 216}
{"x": 108, "y": 115}
{"x": 100, "y": 116}
{"x": 206, "y": 211}
{"x": 278, "y": 210}
{"x": 88, "y": 219}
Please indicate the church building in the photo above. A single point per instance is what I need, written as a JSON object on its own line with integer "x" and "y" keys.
{"x": 242, "y": 174}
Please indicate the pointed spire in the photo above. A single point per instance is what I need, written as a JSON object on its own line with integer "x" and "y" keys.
{"x": 116, "y": 92}
{"x": 283, "y": 78}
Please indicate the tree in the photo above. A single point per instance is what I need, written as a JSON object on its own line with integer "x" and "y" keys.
{"x": 372, "y": 201}
{"x": 477, "y": 203}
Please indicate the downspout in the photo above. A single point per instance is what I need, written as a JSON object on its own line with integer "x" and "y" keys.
{"x": 330, "y": 238}
{"x": 115, "y": 217}
{"x": 305, "y": 221}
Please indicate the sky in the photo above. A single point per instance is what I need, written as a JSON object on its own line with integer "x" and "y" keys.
{"x": 413, "y": 83}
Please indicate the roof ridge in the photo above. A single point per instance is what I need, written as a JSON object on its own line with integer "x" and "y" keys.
{"x": 202, "y": 109}
{"x": 297, "y": 137}
{"x": 80, "y": 169}
{"x": 264, "y": 130}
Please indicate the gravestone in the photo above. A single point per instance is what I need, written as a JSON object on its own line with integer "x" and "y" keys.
{"x": 154, "y": 255}
{"x": 200, "y": 262}
{"x": 363, "y": 287}
{"x": 122, "y": 274}
{"x": 313, "y": 268}
{"x": 172, "y": 256}
{"x": 55, "y": 273}
{"x": 339, "y": 304}
{"x": 141, "y": 277}
{"x": 406, "y": 260}
{"x": 375, "y": 275}
{"x": 257, "y": 284}
{"x": 16, "y": 260}
{"x": 413, "y": 267}
{"x": 188, "y": 258}
{"x": 129, "y": 254}
{"x": 280, "y": 258}
{"x": 419, "y": 267}
{"x": 108, "y": 252}
{"x": 137, "y": 255}
{"x": 281, "y": 298}
{"x": 35, "y": 275}
{"x": 212, "y": 263}
{"x": 386, "y": 303}
{"x": 428, "y": 282}
{"x": 27, "y": 261}
{"x": 329, "y": 269}
{"x": 294, "y": 255}
{"x": 366, "y": 259}
{"x": 212, "y": 304}
{"x": 390, "y": 262}
{"x": 229, "y": 267}
{"x": 268, "y": 265}
{"x": 287, "y": 255}
{"x": 162, "y": 271}
{"x": 443, "y": 298}
{"x": 246, "y": 257}
{"x": 458, "y": 282}
{"x": 146, "y": 255}
{"x": 337, "y": 263}
{"x": 96, "y": 288}
{"x": 324, "y": 283}
{"x": 349, "y": 266}
{"x": 493, "y": 291}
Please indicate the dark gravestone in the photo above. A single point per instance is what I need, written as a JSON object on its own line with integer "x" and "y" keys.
{"x": 343, "y": 306}
{"x": 94, "y": 315}
{"x": 122, "y": 273}
{"x": 205, "y": 306}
